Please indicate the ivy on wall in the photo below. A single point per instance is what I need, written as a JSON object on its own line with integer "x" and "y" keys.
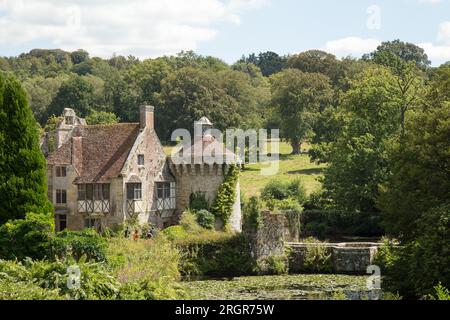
{"x": 226, "y": 196}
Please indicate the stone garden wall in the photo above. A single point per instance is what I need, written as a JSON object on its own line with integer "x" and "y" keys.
{"x": 347, "y": 258}
{"x": 268, "y": 240}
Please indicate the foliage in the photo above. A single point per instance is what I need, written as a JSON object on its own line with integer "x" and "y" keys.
{"x": 357, "y": 159}
{"x": 76, "y": 93}
{"x": 441, "y": 293}
{"x": 298, "y": 98}
{"x": 418, "y": 265}
{"x": 11, "y": 289}
{"x": 87, "y": 244}
{"x": 175, "y": 233}
{"x": 329, "y": 223}
{"x": 252, "y": 219}
{"x": 189, "y": 222}
{"x": 205, "y": 219}
{"x": 420, "y": 179}
{"x": 23, "y": 185}
{"x": 317, "y": 257}
{"x": 393, "y": 53}
{"x": 29, "y": 237}
{"x": 272, "y": 265}
{"x": 197, "y": 201}
{"x": 217, "y": 255}
{"x": 188, "y": 94}
{"x": 101, "y": 117}
{"x": 146, "y": 269}
{"x": 96, "y": 283}
{"x": 284, "y": 195}
{"x": 269, "y": 62}
{"x": 316, "y": 61}
{"x": 226, "y": 196}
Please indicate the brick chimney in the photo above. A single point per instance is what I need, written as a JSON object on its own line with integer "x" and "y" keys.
{"x": 77, "y": 153}
{"x": 147, "y": 117}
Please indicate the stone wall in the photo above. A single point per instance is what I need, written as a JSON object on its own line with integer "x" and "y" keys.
{"x": 346, "y": 258}
{"x": 206, "y": 179}
{"x": 268, "y": 240}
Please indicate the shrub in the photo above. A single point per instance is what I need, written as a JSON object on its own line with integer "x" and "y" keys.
{"x": 96, "y": 282}
{"x": 218, "y": 255}
{"x": 414, "y": 269}
{"x": 317, "y": 257}
{"x": 332, "y": 223}
{"x": 275, "y": 190}
{"x": 175, "y": 233}
{"x": 252, "y": 219}
{"x": 280, "y": 190}
{"x": 205, "y": 219}
{"x": 272, "y": 265}
{"x": 147, "y": 269}
{"x": 198, "y": 201}
{"x": 86, "y": 243}
{"x": 29, "y": 237}
{"x": 441, "y": 293}
{"x": 189, "y": 222}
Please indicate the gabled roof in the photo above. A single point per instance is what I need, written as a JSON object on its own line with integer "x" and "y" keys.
{"x": 104, "y": 151}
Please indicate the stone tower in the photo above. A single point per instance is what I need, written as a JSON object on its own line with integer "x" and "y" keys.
{"x": 200, "y": 177}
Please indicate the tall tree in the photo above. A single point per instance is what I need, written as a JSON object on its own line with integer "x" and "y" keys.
{"x": 420, "y": 163}
{"x": 76, "y": 93}
{"x": 393, "y": 53}
{"x": 23, "y": 186}
{"x": 187, "y": 95}
{"x": 317, "y": 61}
{"x": 269, "y": 62}
{"x": 298, "y": 97}
{"x": 369, "y": 116}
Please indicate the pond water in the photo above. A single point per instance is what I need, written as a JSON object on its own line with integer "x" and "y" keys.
{"x": 285, "y": 287}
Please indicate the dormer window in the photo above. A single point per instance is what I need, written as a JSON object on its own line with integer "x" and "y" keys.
{"x": 141, "y": 159}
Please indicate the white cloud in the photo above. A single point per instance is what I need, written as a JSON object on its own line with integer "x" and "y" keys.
{"x": 437, "y": 54}
{"x": 352, "y": 46}
{"x": 144, "y": 28}
{"x": 444, "y": 32}
{"x": 430, "y": 1}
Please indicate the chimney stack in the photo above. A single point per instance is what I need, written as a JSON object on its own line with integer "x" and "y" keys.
{"x": 147, "y": 117}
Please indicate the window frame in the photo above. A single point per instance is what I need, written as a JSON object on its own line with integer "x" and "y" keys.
{"x": 136, "y": 190}
{"x": 61, "y": 196}
{"x": 61, "y": 171}
{"x": 141, "y": 159}
{"x": 163, "y": 190}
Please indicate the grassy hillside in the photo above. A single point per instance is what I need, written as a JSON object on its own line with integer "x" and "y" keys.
{"x": 291, "y": 167}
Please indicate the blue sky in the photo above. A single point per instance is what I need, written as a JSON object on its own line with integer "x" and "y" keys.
{"x": 223, "y": 28}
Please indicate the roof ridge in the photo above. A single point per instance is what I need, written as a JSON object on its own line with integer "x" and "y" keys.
{"x": 108, "y": 125}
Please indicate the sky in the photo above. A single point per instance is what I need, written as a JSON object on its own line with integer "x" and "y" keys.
{"x": 226, "y": 29}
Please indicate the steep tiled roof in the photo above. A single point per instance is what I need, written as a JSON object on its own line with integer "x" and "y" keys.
{"x": 98, "y": 152}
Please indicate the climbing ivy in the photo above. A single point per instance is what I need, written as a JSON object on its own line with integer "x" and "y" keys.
{"x": 226, "y": 196}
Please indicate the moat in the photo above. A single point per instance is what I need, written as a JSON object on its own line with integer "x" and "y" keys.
{"x": 284, "y": 287}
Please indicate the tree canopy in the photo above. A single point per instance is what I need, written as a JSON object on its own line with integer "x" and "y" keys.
{"x": 23, "y": 186}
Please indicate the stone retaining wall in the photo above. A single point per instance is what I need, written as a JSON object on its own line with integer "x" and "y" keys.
{"x": 347, "y": 258}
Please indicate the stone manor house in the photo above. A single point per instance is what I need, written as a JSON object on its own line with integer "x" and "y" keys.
{"x": 102, "y": 175}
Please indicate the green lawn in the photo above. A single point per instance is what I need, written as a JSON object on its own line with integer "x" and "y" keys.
{"x": 290, "y": 168}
